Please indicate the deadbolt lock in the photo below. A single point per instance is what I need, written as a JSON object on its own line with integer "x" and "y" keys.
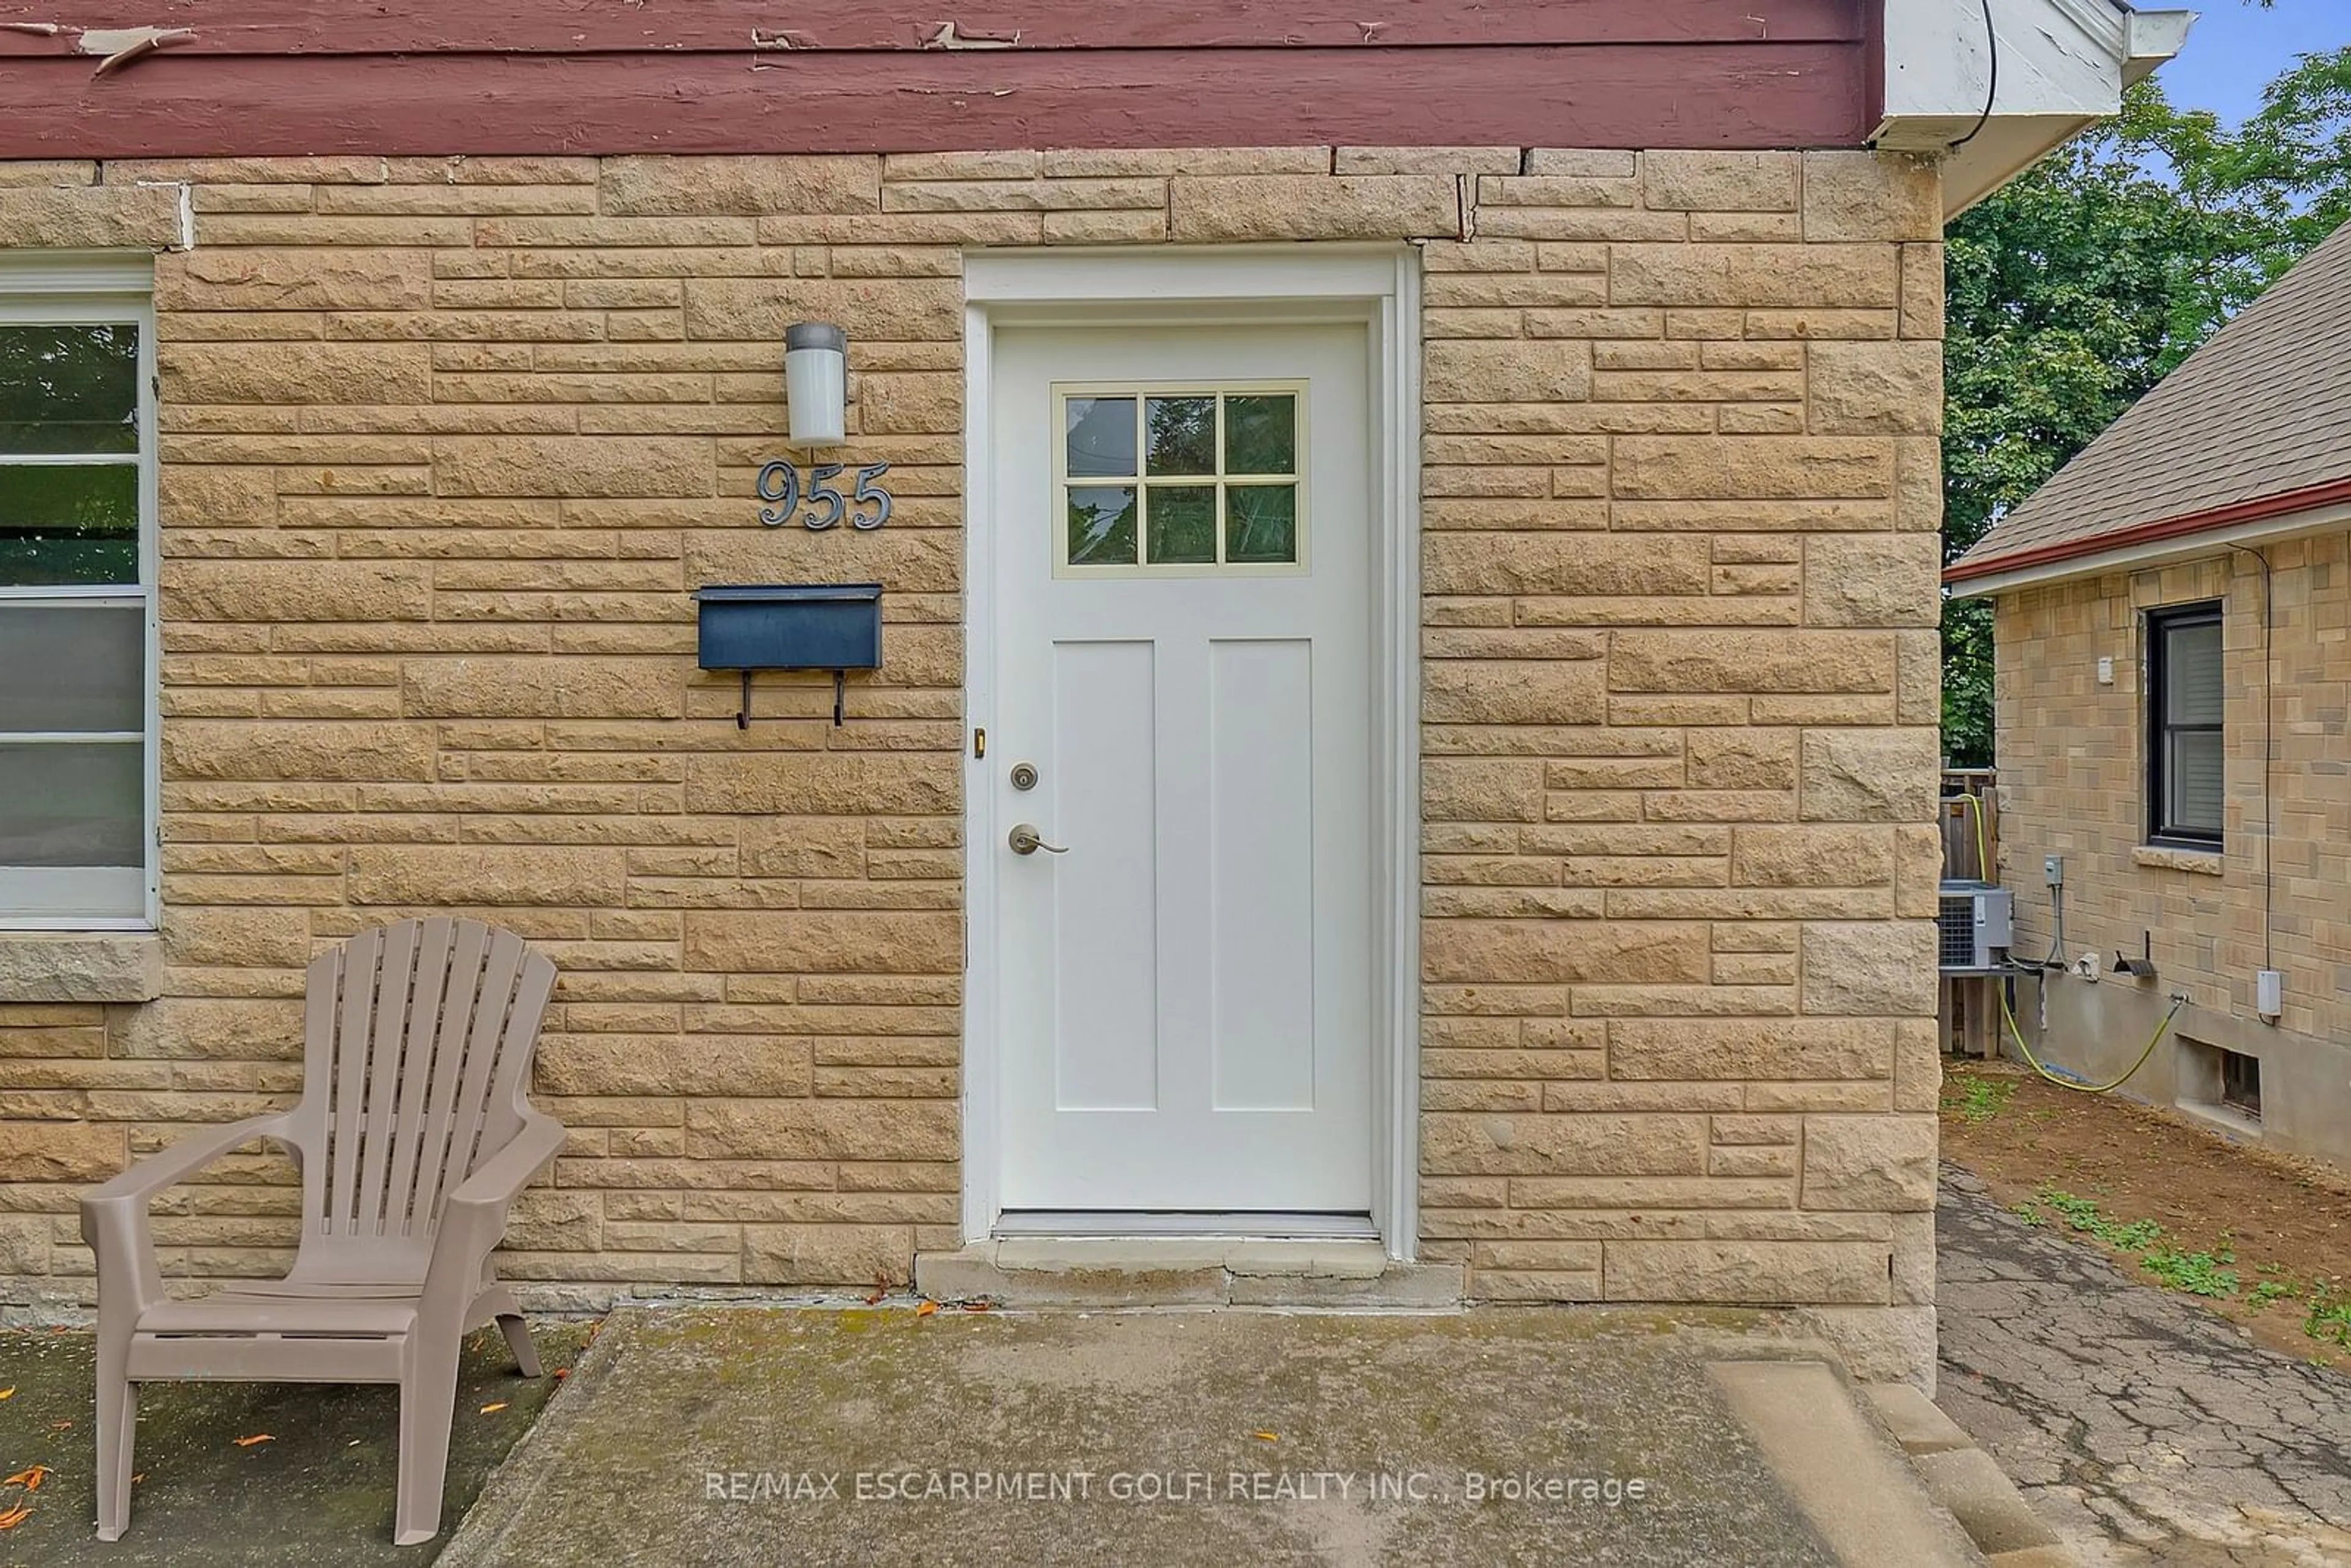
{"x": 1024, "y": 776}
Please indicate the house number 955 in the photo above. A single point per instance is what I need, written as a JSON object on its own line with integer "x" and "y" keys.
{"x": 866, "y": 505}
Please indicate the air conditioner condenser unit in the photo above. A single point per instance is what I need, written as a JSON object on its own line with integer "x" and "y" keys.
{"x": 1977, "y": 924}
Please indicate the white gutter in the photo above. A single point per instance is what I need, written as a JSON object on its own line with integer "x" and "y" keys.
{"x": 2159, "y": 552}
{"x": 1993, "y": 105}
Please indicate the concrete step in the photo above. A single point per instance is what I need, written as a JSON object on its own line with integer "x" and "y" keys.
{"x": 1968, "y": 1482}
{"x": 1867, "y": 1504}
{"x": 1085, "y": 1272}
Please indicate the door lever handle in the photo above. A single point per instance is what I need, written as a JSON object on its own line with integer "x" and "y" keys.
{"x": 1026, "y": 840}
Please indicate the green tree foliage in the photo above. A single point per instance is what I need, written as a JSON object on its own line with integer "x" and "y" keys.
{"x": 2078, "y": 286}
{"x": 2292, "y": 159}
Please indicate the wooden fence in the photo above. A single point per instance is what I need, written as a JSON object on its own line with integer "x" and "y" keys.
{"x": 1965, "y": 789}
{"x": 1969, "y": 814}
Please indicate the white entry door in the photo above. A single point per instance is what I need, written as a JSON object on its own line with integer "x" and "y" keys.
{"x": 1184, "y": 661}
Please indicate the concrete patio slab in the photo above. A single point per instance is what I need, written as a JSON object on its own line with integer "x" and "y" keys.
{"x": 775, "y": 1437}
{"x": 318, "y": 1491}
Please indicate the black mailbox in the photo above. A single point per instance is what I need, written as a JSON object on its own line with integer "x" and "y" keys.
{"x": 834, "y": 626}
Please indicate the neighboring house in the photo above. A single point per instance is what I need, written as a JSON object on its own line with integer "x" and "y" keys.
{"x": 1437, "y": 516}
{"x": 2173, "y": 695}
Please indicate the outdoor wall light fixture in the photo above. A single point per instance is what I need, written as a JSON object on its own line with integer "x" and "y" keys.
{"x": 816, "y": 382}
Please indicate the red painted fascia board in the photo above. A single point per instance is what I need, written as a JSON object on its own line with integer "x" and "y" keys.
{"x": 1873, "y": 59}
{"x": 180, "y": 105}
{"x": 316, "y": 28}
{"x": 2334, "y": 492}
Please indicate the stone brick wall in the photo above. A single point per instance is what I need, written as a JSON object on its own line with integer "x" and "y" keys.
{"x": 447, "y": 443}
{"x": 2072, "y": 758}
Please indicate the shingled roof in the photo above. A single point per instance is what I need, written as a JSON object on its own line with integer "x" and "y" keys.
{"x": 2255, "y": 423}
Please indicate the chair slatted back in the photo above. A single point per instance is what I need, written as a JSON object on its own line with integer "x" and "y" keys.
{"x": 418, "y": 1043}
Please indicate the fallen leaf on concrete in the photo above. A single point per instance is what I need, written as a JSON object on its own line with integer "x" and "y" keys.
{"x": 1267, "y": 1436}
{"x": 562, "y": 1373}
{"x": 256, "y": 1438}
{"x": 15, "y": 1516}
{"x": 493, "y": 1408}
{"x": 927, "y": 1309}
{"x": 881, "y": 1288}
{"x": 9, "y": 1392}
{"x": 980, "y": 1306}
{"x": 62, "y": 1424}
{"x": 30, "y": 1479}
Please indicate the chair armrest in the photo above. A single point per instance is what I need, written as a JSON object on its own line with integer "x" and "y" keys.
{"x": 476, "y": 1215}
{"x": 114, "y": 1213}
{"x": 508, "y": 1171}
{"x": 170, "y": 1166}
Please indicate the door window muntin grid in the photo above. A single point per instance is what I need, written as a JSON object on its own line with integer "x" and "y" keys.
{"x": 1221, "y": 479}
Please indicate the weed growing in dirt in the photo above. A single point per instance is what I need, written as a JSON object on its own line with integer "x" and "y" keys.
{"x": 2270, "y": 1290}
{"x": 2330, "y": 1315}
{"x": 2081, "y": 1213}
{"x": 2197, "y": 1273}
{"x": 1979, "y": 1099}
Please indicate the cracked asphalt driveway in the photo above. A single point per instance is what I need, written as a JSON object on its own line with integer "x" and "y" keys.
{"x": 2145, "y": 1428}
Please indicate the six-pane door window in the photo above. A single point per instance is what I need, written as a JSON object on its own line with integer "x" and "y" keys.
{"x": 77, "y": 611}
{"x": 2184, "y": 737}
{"x": 1182, "y": 481}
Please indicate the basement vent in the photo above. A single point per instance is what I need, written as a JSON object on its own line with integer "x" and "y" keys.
{"x": 2240, "y": 1083}
{"x": 2214, "y": 1080}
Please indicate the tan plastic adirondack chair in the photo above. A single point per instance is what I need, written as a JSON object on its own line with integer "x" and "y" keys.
{"x": 413, "y": 1136}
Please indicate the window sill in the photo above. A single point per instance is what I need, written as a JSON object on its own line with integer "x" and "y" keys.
{"x": 2224, "y": 1118}
{"x": 2173, "y": 857}
{"x": 81, "y": 965}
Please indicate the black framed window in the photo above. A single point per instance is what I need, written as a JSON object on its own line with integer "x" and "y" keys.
{"x": 2184, "y": 748}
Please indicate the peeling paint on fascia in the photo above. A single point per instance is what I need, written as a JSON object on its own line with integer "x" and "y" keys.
{"x": 780, "y": 39}
{"x": 2081, "y": 55}
{"x": 948, "y": 37}
{"x": 120, "y": 46}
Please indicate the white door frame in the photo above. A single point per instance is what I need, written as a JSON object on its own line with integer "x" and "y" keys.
{"x": 1379, "y": 285}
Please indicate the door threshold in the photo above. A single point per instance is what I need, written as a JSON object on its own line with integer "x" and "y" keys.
{"x": 1267, "y": 1226}
{"x": 1124, "y": 1269}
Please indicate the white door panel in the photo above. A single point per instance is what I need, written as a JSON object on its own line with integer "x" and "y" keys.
{"x": 1186, "y": 994}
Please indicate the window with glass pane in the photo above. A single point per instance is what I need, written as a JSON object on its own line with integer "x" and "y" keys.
{"x": 1181, "y": 480}
{"x": 76, "y": 841}
{"x": 2186, "y": 790}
